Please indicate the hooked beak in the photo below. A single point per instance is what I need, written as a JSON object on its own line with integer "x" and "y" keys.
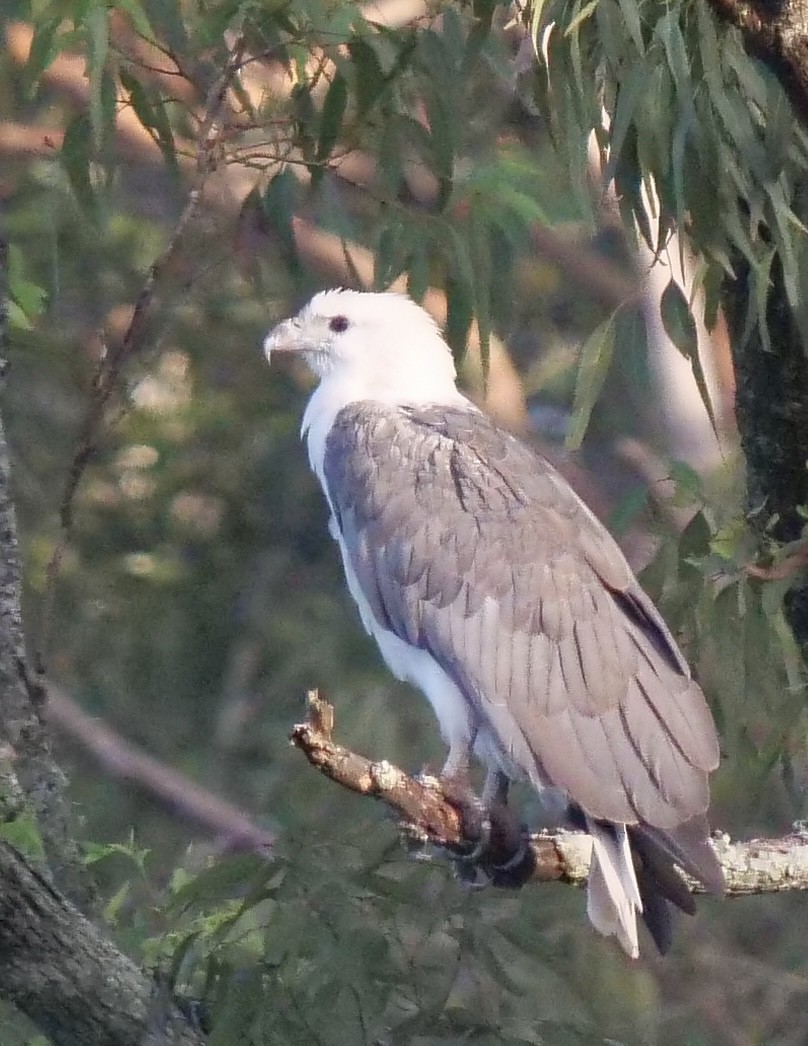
{"x": 286, "y": 337}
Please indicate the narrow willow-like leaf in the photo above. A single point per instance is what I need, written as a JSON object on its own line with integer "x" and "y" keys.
{"x": 612, "y": 38}
{"x": 391, "y": 253}
{"x": 75, "y": 156}
{"x": 418, "y": 270}
{"x": 23, "y": 833}
{"x": 47, "y": 42}
{"x": 480, "y": 254}
{"x": 336, "y": 100}
{"x": 279, "y": 203}
{"x": 28, "y": 297}
{"x": 152, "y": 114}
{"x": 537, "y": 25}
{"x": 670, "y": 33}
{"x": 777, "y": 128}
{"x": 459, "y": 310}
{"x": 16, "y": 316}
{"x": 677, "y": 319}
{"x": 628, "y": 98}
{"x": 595, "y": 360}
{"x": 577, "y": 21}
{"x": 631, "y": 16}
{"x": 441, "y": 144}
{"x": 97, "y": 27}
{"x": 369, "y": 78}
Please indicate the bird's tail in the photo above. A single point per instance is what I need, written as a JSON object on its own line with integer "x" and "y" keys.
{"x": 613, "y": 896}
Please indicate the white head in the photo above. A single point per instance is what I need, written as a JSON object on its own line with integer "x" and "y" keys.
{"x": 371, "y": 346}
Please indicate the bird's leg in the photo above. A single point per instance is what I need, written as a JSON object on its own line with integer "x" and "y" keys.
{"x": 499, "y": 850}
{"x": 509, "y": 860}
{"x": 455, "y": 782}
{"x": 496, "y": 787}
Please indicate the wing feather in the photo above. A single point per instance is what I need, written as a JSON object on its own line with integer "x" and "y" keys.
{"x": 473, "y": 548}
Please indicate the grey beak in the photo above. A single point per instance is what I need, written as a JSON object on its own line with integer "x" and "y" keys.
{"x": 283, "y": 338}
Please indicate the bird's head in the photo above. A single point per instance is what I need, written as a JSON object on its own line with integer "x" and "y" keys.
{"x": 383, "y": 345}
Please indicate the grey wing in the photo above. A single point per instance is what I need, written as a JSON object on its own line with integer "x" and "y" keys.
{"x": 468, "y": 545}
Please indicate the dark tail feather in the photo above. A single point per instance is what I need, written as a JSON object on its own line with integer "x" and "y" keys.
{"x": 689, "y": 846}
{"x": 656, "y": 912}
{"x": 659, "y": 882}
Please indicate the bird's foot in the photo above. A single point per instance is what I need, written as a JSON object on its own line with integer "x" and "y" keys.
{"x": 497, "y": 851}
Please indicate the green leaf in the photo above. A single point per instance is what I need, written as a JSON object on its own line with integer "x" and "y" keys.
{"x": 75, "y": 156}
{"x": 480, "y": 255}
{"x": 137, "y": 14}
{"x": 97, "y": 28}
{"x": 537, "y": 25}
{"x": 484, "y": 12}
{"x": 336, "y": 100}
{"x": 631, "y": 16}
{"x": 27, "y": 298}
{"x": 418, "y": 275}
{"x": 687, "y": 482}
{"x": 95, "y": 852}
{"x": 218, "y": 882}
{"x": 628, "y": 510}
{"x": 280, "y": 203}
{"x": 17, "y": 317}
{"x": 585, "y": 12}
{"x": 23, "y": 833}
{"x": 46, "y": 44}
{"x": 669, "y": 32}
{"x": 391, "y": 253}
{"x": 112, "y": 908}
{"x": 370, "y": 81}
{"x": 150, "y": 110}
{"x": 595, "y": 360}
{"x": 459, "y": 311}
{"x": 442, "y": 132}
{"x": 777, "y": 128}
{"x": 629, "y": 96}
{"x": 677, "y": 319}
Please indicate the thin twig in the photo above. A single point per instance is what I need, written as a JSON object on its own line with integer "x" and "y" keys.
{"x": 105, "y": 380}
{"x": 172, "y": 789}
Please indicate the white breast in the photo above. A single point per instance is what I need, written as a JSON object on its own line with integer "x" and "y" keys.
{"x": 411, "y": 664}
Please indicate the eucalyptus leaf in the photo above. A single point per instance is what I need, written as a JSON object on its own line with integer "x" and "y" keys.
{"x": 593, "y": 366}
{"x": 96, "y": 25}
{"x": 677, "y": 319}
{"x": 336, "y": 100}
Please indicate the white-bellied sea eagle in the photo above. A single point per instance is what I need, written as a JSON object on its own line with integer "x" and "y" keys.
{"x": 490, "y": 586}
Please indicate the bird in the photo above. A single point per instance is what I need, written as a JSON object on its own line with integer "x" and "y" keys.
{"x": 490, "y": 586}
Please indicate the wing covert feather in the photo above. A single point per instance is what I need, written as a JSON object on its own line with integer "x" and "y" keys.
{"x": 473, "y": 548}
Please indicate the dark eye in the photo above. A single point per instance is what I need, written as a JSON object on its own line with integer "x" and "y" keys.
{"x": 338, "y": 324}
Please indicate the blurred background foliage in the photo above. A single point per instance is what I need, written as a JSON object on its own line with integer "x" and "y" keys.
{"x": 310, "y": 143}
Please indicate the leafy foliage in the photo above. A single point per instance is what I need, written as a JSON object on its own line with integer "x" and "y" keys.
{"x": 199, "y": 595}
{"x": 696, "y": 135}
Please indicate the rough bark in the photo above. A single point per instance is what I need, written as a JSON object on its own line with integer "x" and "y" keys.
{"x": 771, "y": 404}
{"x": 428, "y": 815}
{"x": 29, "y": 775}
{"x": 772, "y": 381}
{"x": 68, "y": 978}
{"x": 55, "y": 966}
{"x": 777, "y": 32}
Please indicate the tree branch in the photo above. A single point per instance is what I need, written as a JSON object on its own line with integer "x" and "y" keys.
{"x": 168, "y": 786}
{"x": 68, "y": 978}
{"x": 29, "y": 775}
{"x": 106, "y": 379}
{"x": 752, "y": 867}
{"x": 57, "y": 968}
{"x": 777, "y": 32}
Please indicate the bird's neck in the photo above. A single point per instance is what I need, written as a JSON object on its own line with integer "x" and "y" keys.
{"x": 337, "y": 391}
